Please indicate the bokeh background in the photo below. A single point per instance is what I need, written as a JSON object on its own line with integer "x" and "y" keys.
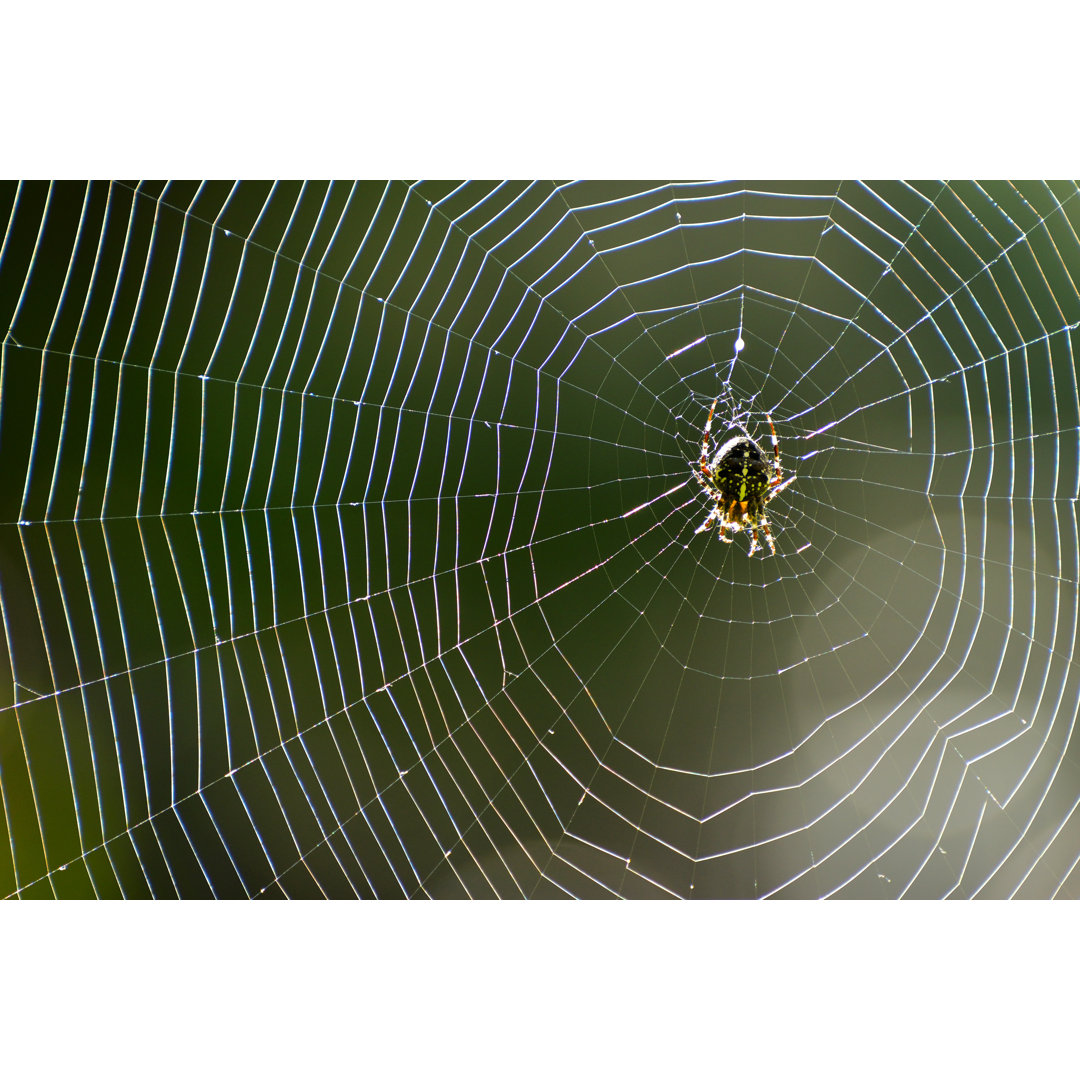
{"x": 348, "y": 540}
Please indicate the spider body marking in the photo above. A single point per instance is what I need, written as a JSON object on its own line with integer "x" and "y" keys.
{"x": 741, "y": 481}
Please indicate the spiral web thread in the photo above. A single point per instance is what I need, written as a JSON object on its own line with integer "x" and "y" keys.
{"x": 348, "y": 540}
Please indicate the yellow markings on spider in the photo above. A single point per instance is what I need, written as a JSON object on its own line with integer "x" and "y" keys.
{"x": 741, "y": 481}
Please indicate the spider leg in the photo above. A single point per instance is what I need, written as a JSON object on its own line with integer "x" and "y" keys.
{"x": 705, "y": 480}
{"x": 776, "y": 452}
{"x": 768, "y": 535}
{"x": 705, "y": 440}
{"x": 713, "y": 515}
{"x": 777, "y": 486}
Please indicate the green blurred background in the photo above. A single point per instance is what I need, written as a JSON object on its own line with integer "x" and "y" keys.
{"x": 319, "y": 575}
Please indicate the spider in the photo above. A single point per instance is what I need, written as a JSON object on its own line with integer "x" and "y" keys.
{"x": 737, "y": 480}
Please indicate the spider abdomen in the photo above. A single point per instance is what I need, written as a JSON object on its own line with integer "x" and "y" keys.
{"x": 740, "y": 471}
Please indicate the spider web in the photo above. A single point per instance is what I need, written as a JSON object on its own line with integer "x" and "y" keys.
{"x": 347, "y": 540}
